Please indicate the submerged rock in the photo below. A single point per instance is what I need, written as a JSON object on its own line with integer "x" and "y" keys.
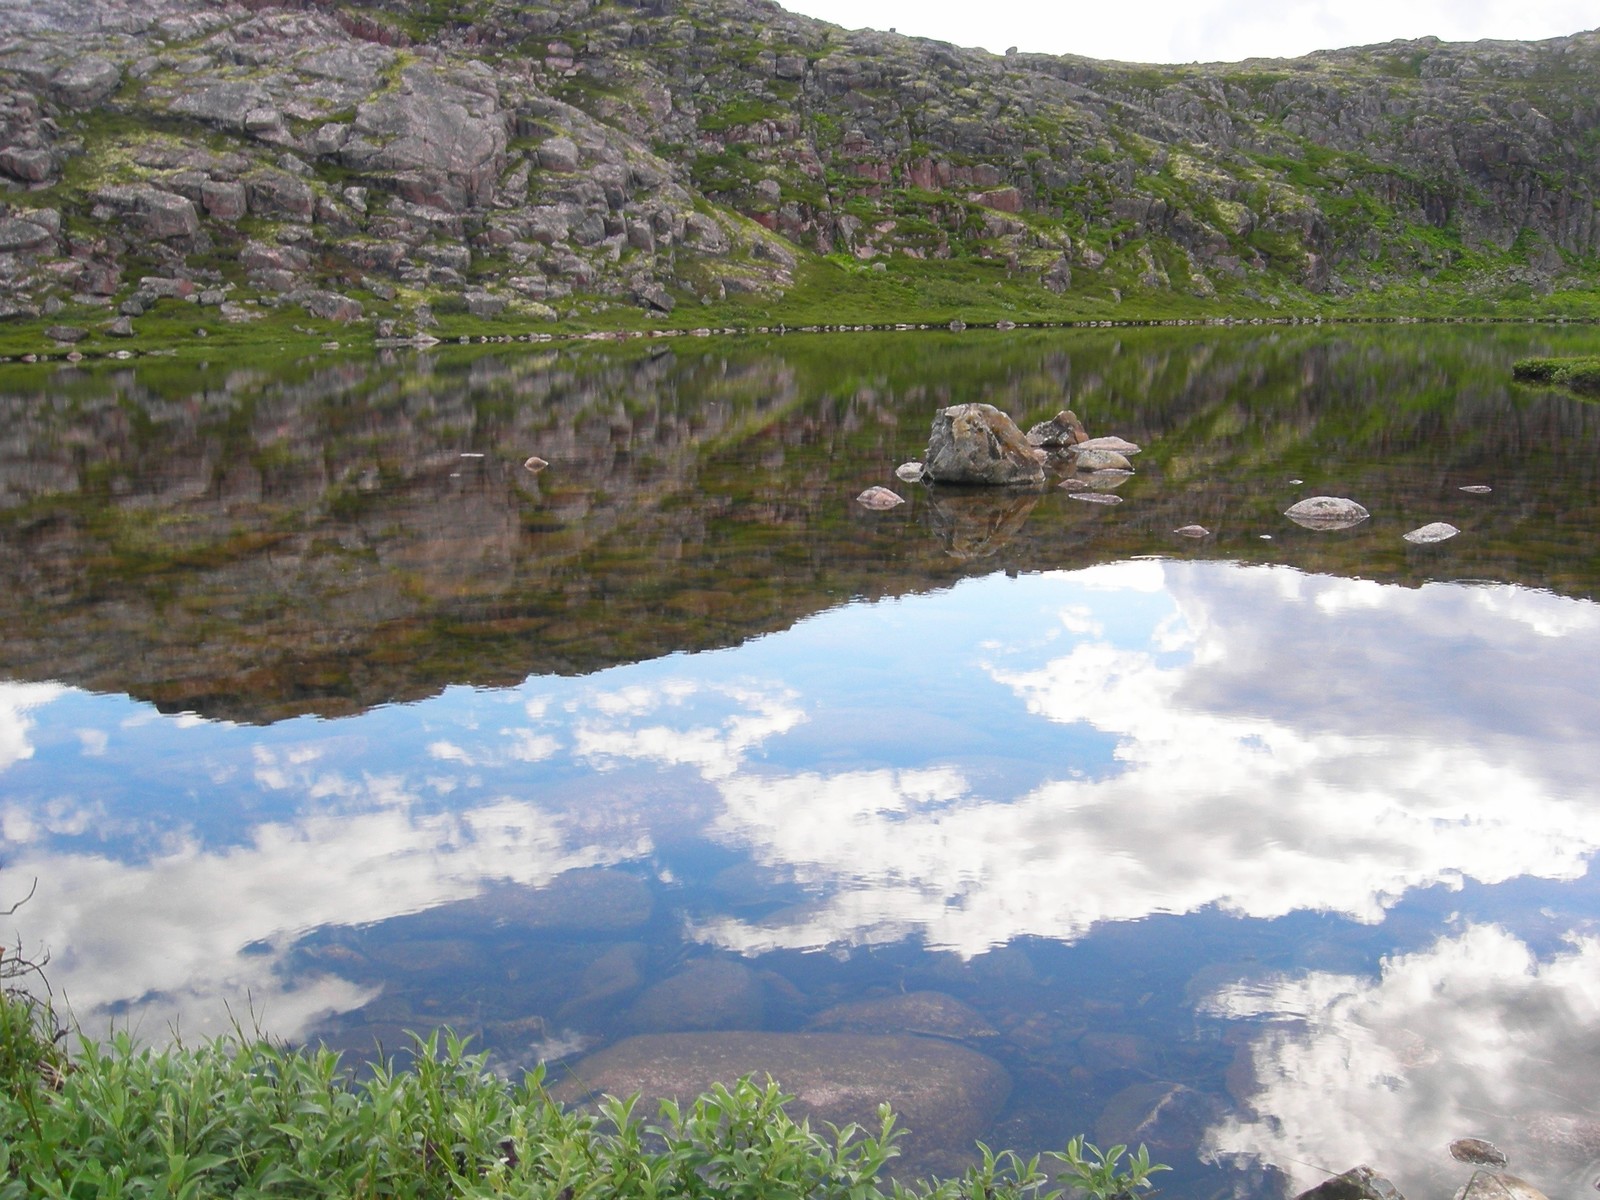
{"x": 979, "y": 444}
{"x": 1439, "y": 531}
{"x": 947, "y": 1095}
{"x": 1168, "y": 1117}
{"x": 933, "y": 1014}
{"x": 586, "y": 900}
{"x": 709, "y": 994}
{"x": 1326, "y": 512}
{"x": 879, "y": 498}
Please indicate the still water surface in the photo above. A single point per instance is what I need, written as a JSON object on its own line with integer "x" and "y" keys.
{"x": 1272, "y": 850}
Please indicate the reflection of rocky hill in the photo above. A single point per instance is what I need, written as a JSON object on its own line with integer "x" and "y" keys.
{"x": 341, "y": 537}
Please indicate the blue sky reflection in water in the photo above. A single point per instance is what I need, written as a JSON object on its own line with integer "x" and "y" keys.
{"x": 1033, "y": 760}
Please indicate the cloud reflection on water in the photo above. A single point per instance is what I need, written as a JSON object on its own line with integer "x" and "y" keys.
{"x": 1009, "y": 758}
{"x": 1470, "y": 1036}
{"x": 1282, "y": 743}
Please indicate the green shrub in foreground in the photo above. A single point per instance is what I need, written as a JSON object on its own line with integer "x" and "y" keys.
{"x": 240, "y": 1117}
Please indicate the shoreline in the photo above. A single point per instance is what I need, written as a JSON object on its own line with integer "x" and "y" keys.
{"x": 166, "y": 349}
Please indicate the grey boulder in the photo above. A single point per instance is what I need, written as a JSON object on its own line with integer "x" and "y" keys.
{"x": 978, "y": 444}
{"x": 1326, "y": 512}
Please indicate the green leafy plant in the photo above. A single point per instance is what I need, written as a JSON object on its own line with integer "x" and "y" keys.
{"x": 1098, "y": 1173}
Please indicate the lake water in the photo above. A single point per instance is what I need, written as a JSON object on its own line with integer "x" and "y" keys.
{"x": 1272, "y": 849}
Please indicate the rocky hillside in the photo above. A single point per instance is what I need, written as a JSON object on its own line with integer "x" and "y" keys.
{"x": 389, "y": 164}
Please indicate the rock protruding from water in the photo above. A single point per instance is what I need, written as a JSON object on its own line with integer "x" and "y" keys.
{"x": 978, "y": 444}
{"x": 1478, "y": 1152}
{"x": 1497, "y": 1185}
{"x": 1438, "y": 531}
{"x": 1358, "y": 1183}
{"x": 1062, "y": 430}
{"x": 1120, "y": 445}
{"x": 1326, "y": 512}
{"x": 879, "y": 498}
{"x": 1095, "y": 459}
{"x": 946, "y": 1094}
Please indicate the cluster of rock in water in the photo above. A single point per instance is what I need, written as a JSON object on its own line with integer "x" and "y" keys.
{"x": 1489, "y": 1181}
{"x": 977, "y": 445}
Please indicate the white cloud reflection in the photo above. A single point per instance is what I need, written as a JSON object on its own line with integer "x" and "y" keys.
{"x": 1473, "y": 1036}
{"x": 1181, "y": 737}
{"x": 17, "y": 702}
{"x": 1318, "y": 744}
{"x": 180, "y": 937}
{"x": 717, "y": 749}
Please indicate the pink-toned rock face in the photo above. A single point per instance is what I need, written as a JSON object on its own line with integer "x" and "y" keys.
{"x": 979, "y": 444}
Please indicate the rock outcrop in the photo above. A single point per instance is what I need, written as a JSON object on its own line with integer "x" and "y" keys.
{"x": 561, "y": 157}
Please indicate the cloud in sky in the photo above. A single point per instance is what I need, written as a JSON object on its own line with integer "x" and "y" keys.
{"x": 1169, "y": 31}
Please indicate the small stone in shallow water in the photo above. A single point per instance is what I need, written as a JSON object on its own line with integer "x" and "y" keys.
{"x": 1101, "y": 460}
{"x": 1118, "y": 444}
{"x": 1095, "y": 497}
{"x": 1439, "y": 531}
{"x": 1478, "y": 489}
{"x": 909, "y": 471}
{"x": 879, "y": 498}
{"x": 535, "y": 464}
{"x": 1477, "y": 1151}
{"x": 1326, "y": 512}
{"x": 1192, "y": 531}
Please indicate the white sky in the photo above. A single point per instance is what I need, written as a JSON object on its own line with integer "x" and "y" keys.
{"x": 1177, "y": 31}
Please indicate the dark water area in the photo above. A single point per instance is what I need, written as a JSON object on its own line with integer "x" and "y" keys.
{"x": 1271, "y": 849}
